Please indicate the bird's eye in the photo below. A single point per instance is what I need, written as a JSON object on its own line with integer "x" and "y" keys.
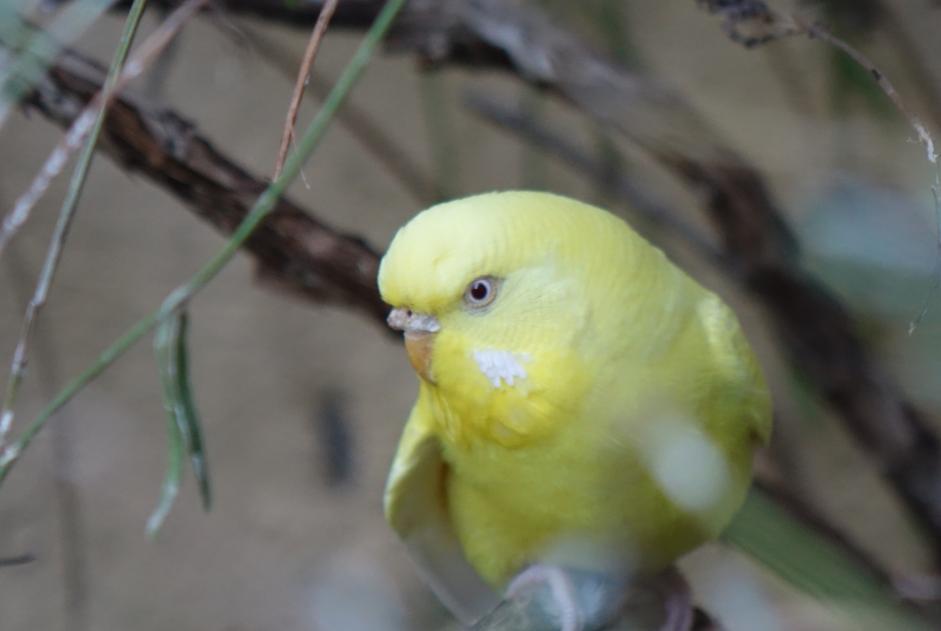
{"x": 481, "y": 292}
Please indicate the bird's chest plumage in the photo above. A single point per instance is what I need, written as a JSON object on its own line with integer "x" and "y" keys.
{"x": 533, "y": 476}
{"x": 523, "y": 465}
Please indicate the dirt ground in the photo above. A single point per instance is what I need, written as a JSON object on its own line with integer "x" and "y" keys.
{"x": 295, "y": 539}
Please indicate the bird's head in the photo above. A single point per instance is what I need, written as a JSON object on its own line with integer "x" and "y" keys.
{"x": 493, "y": 292}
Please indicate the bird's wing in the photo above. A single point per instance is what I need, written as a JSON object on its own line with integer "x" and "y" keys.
{"x": 734, "y": 361}
{"x": 759, "y": 403}
{"x": 416, "y": 507}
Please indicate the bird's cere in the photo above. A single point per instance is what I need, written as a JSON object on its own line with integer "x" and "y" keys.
{"x": 407, "y": 321}
{"x": 501, "y": 366}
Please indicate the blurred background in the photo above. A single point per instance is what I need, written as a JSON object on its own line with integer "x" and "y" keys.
{"x": 302, "y": 404}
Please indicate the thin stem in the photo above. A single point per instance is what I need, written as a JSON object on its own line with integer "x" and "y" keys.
{"x": 360, "y": 125}
{"x": 260, "y": 210}
{"x": 882, "y": 81}
{"x": 66, "y": 215}
{"x": 913, "y": 58}
{"x": 303, "y": 75}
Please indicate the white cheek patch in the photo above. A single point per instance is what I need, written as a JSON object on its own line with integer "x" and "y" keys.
{"x": 501, "y": 366}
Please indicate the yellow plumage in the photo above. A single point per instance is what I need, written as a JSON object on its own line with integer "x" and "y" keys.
{"x": 601, "y": 411}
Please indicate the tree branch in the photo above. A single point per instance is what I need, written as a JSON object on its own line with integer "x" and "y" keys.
{"x": 307, "y": 258}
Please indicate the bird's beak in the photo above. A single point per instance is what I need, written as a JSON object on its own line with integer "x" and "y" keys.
{"x": 419, "y": 332}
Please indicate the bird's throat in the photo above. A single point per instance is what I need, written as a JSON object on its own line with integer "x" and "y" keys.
{"x": 419, "y": 345}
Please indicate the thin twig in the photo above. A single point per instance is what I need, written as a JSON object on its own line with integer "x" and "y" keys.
{"x": 356, "y": 121}
{"x": 818, "y": 32}
{"x": 263, "y": 206}
{"x": 912, "y": 56}
{"x": 303, "y": 75}
{"x": 66, "y": 215}
{"x": 921, "y": 132}
{"x": 82, "y": 126}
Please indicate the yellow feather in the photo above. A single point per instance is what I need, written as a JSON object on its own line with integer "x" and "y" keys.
{"x": 626, "y": 436}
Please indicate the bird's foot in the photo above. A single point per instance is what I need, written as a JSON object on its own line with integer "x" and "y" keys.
{"x": 677, "y": 601}
{"x": 561, "y": 588}
{"x": 577, "y": 600}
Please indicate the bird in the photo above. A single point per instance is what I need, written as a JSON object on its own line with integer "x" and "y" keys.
{"x": 583, "y": 403}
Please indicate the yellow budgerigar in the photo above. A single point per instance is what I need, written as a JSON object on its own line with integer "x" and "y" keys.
{"x": 582, "y": 402}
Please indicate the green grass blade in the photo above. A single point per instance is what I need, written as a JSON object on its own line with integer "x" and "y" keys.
{"x": 184, "y": 431}
{"x": 165, "y": 344}
{"x": 187, "y": 416}
{"x": 171, "y": 481}
{"x": 813, "y": 565}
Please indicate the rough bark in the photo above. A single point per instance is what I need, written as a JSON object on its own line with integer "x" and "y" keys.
{"x": 294, "y": 249}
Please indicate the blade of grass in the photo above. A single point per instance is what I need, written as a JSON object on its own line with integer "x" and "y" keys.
{"x": 66, "y": 215}
{"x": 166, "y": 341}
{"x": 171, "y": 482}
{"x": 188, "y": 417}
{"x": 263, "y": 206}
{"x": 813, "y": 565}
{"x": 184, "y": 431}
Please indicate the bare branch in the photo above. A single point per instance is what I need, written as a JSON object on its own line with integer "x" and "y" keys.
{"x": 303, "y": 74}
